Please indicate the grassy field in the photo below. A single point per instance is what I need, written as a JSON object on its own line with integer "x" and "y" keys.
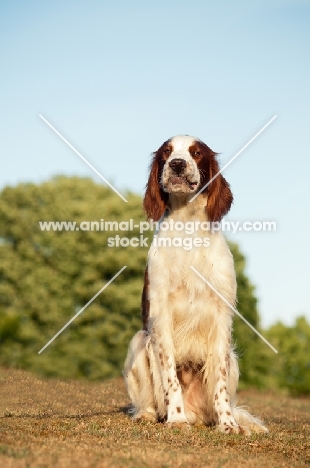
{"x": 52, "y": 423}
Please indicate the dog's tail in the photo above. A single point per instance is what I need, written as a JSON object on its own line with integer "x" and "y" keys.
{"x": 248, "y": 422}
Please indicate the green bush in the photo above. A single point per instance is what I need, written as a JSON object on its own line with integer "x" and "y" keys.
{"x": 292, "y": 365}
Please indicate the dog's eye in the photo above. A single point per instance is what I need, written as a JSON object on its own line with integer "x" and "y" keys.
{"x": 167, "y": 153}
{"x": 196, "y": 154}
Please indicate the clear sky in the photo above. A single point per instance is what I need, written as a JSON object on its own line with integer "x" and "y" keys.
{"x": 118, "y": 78}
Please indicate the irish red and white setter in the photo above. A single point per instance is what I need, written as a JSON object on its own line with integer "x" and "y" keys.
{"x": 181, "y": 367}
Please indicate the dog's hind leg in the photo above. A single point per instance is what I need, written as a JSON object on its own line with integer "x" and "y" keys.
{"x": 138, "y": 378}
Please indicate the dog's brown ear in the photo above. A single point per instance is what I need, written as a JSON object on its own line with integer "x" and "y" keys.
{"x": 220, "y": 197}
{"x": 155, "y": 199}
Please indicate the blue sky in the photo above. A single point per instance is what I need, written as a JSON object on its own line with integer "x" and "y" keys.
{"x": 118, "y": 78}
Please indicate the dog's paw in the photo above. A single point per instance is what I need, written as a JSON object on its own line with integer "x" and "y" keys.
{"x": 182, "y": 425}
{"x": 145, "y": 416}
{"x": 233, "y": 429}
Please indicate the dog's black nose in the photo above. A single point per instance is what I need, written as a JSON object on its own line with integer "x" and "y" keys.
{"x": 178, "y": 165}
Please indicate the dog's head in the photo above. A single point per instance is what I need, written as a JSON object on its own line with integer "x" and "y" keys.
{"x": 181, "y": 167}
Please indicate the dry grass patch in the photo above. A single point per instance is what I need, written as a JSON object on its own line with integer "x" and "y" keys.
{"x": 49, "y": 423}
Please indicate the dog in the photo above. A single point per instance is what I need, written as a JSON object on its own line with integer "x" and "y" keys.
{"x": 181, "y": 368}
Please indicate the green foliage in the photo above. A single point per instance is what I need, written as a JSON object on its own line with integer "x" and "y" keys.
{"x": 292, "y": 365}
{"x": 47, "y": 276}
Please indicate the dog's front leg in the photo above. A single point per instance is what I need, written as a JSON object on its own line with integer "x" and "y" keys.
{"x": 226, "y": 375}
{"x": 162, "y": 343}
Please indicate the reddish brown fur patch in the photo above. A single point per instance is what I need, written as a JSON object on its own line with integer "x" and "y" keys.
{"x": 219, "y": 194}
{"x": 155, "y": 199}
{"x": 178, "y": 409}
{"x": 196, "y": 152}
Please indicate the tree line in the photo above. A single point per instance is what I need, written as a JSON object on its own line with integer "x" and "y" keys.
{"x": 47, "y": 276}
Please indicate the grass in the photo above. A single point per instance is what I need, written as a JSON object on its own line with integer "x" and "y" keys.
{"x": 49, "y": 423}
